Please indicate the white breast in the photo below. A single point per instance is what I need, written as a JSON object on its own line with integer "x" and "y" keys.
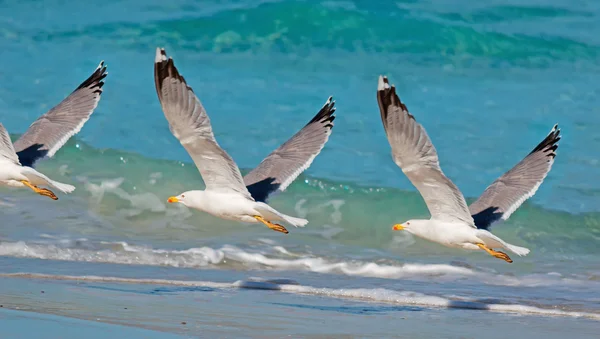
{"x": 228, "y": 206}
{"x": 449, "y": 234}
{"x": 10, "y": 174}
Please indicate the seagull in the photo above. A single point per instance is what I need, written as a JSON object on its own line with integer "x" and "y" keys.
{"x": 228, "y": 195}
{"x": 452, "y": 223}
{"x": 46, "y": 136}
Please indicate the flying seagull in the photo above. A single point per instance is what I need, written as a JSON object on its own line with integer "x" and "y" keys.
{"x": 227, "y": 194}
{"x": 46, "y": 136}
{"x": 452, "y": 223}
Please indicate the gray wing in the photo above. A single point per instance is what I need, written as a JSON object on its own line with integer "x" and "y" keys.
{"x": 278, "y": 170}
{"x": 520, "y": 183}
{"x": 414, "y": 153}
{"x": 53, "y": 129}
{"x": 190, "y": 124}
{"x": 7, "y": 151}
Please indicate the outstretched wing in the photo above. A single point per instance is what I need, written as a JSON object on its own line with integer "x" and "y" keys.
{"x": 7, "y": 151}
{"x": 414, "y": 153}
{"x": 190, "y": 124}
{"x": 278, "y": 170}
{"x": 53, "y": 129}
{"x": 520, "y": 183}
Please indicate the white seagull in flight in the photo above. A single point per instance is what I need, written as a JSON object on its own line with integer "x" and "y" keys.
{"x": 227, "y": 194}
{"x": 452, "y": 223}
{"x": 46, "y": 136}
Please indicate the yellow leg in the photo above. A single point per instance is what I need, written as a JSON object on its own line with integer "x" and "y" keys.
{"x": 41, "y": 191}
{"x": 497, "y": 254}
{"x": 274, "y": 227}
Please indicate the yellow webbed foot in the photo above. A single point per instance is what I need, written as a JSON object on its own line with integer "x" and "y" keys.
{"x": 496, "y": 254}
{"x": 41, "y": 191}
{"x": 274, "y": 227}
{"x": 47, "y": 193}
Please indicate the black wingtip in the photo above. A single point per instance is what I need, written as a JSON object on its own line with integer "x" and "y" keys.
{"x": 325, "y": 115}
{"x": 386, "y": 97}
{"x": 164, "y": 67}
{"x": 161, "y": 55}
{"x": 96, "y": 80}
{"x": 386, "y": 93}
{"x": 550, "y": 144}
{"x": 383, "y": 83}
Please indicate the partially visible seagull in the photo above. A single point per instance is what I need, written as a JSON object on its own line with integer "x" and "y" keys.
{"x": 452, "y": 223}
{"x": 227, "y": 194}
{"x": 46, "y": 136}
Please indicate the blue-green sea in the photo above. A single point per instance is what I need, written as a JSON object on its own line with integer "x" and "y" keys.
{"x": 487, "y": 79}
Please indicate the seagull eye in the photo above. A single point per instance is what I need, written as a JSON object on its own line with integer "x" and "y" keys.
{"x": 408, "y": 223}
{"x": 183, "y": 196}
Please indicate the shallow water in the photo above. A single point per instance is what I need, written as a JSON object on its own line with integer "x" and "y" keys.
{"x": 488, "y": 80}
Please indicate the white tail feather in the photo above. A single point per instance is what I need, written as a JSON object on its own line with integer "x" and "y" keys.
{"x": 493, "y": 241}
{"x": 298, "y": 222}
{"x": 65, "y": 188}
{"x": 271, "y": 214}
{"x": 38, "y": 178}
{"x": 520, "y": 251}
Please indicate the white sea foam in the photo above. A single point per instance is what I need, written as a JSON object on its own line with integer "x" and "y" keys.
{"x": 100, "y": 279}
{"x": 379, "y": 295}
{"x": 139, "y": 202}
{"x": 321, "y": 265}
{"x": 118, "y": 253}
{"x": 273, "y": 257}
{"x": 419, "y": 299}
{"x": 124, "y": 253}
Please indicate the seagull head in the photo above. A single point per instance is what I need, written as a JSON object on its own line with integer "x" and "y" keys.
{"x": 193, "y": 199}
{"x": 184, "y": 198}
{"x": 410, "y": 226}
{"x": 180, "y": 198}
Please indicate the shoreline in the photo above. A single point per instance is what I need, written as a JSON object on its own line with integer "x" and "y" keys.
{"x": 399, "y": 298}
{"x": 189, "y": 309}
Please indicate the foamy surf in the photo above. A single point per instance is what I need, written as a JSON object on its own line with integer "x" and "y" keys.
{"x": 271, "y": 256}
{"x": 378, "y": 295}
{"x": 225, "y": 256}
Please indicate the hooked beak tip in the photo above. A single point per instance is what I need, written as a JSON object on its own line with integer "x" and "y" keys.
{"x": 398, "y": 227}
{"x": 172, "y": 200}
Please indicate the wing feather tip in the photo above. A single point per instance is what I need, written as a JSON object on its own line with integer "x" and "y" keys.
{"x": 164, "y": 67}
{"x": 387, "y": 97}
{"x": 161, "y": 55}
{"x": 383, "y": 83}
{"x": 326, "y": 114}
{"x": 384, "y": 88}
{"x": 550, "y": 143}
{"x": 101, "y": 70}
{"x": 96, "y": 80}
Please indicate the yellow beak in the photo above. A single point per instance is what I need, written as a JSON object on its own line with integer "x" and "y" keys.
{"x": 173, "y": 199}
{"x": 398, "y": 227}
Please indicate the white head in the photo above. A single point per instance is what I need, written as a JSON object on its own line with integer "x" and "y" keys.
{"x": 417, "y": 227}
{"x": 189, "y": 198}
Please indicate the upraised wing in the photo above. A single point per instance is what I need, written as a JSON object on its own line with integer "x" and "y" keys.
{"x": 190, "y": 124}
{"x": 414, "y": 153}
{"x": 278, "y": 170}
{"x": 520, "y": 183}
{"x": 7, "y": 151}
{"x": 53, "y": 129}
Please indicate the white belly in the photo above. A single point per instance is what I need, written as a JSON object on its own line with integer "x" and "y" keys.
{"x": 230, "y": 207}
{"x": 452, "y": 235}
{"x": 11, "y": 183}
{"x": 10, "y": 174}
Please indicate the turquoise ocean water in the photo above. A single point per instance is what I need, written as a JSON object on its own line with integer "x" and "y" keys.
{"x": 487, "y": 79}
